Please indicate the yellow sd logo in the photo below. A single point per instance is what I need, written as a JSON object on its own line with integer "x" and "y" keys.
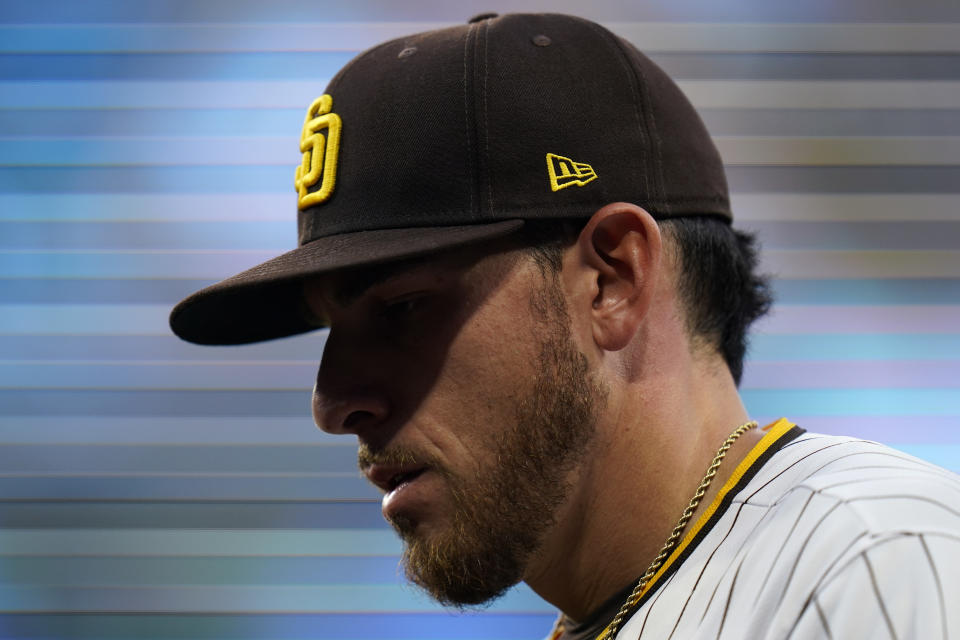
{"x": 319, "y": 162}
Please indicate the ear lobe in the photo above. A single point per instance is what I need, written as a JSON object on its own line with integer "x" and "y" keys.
{"x": 620, "y": 245}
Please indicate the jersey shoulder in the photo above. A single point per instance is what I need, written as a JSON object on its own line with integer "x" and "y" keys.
{"x": 863, "y": 528}
{"x": 825, "y": 529}
{"x": 884, "y": 488}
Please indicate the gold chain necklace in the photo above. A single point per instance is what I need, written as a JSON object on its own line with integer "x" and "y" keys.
{"x": 614, "y": 626}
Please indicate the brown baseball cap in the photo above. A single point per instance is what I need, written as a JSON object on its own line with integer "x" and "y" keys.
{"x": 459, "y": 135}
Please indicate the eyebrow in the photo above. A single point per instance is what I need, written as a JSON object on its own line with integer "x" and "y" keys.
{"x": 357, "y": 282}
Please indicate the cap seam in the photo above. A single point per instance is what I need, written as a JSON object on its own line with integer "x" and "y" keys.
{"x": 466, "y": 115}
{"x": 486, "y": 115}
{"x": 644, "y": 87}
{"x": 476, "y": 124}
{"x": 632, "y": 78}
{"x": 335, "y": 82}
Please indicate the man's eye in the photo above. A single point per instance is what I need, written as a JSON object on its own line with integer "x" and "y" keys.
{"x": 400, "y": 307}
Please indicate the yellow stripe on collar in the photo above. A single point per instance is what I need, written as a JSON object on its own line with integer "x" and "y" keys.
{"x": 774, "y": 432}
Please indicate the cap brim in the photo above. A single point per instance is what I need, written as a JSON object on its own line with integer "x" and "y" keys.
{"x": 266, "y": 301}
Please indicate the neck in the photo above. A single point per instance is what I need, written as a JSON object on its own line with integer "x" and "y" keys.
{"x": 641, "y": 474}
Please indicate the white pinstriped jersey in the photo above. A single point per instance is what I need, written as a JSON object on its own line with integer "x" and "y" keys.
{"x": 822, "y": 537}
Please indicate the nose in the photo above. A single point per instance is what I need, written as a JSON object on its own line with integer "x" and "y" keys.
{"x": 348, "y": 395}
{"x": 344, "y": 412}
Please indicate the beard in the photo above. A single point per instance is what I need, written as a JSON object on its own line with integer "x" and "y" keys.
{"x": 503, "y": 511}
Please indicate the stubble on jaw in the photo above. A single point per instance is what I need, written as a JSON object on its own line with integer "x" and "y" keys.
{"x": 503, "y": 511}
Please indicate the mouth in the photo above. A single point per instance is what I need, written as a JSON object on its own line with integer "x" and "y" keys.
{"x": 389, "y": 478}
{"x": 403, "y": 478}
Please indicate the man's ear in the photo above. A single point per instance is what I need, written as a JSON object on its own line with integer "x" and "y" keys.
{"x": 620, "y": 247}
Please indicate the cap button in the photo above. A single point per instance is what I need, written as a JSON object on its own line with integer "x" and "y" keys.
{"x": 481, "y": 17}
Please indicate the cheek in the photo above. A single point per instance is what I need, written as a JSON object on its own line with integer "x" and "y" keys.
{"x": 474, "y": 387}
{"x": 487, "y": 365}
{"x": 488, "y": 368}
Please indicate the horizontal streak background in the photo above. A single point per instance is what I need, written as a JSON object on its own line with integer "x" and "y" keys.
{"x": 273, "y": 66}
{"x": 138, "y": 572}
{"x": 288, "y": 94}
{"x": 150, "y": 488}
{"x": 409, "y": 626}
{"x": 367, "y": 598}
{"x": 677, "y": 37}
{"x": 276, "y": 542}
{"x": 300, "y": 11}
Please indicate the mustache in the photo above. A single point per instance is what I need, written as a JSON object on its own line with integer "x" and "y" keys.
{"x": 394, "y": 456}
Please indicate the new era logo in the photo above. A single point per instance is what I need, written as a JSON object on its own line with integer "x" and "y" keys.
{"x": 564, "y": 172}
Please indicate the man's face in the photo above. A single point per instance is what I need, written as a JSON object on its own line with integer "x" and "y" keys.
{"x": 472, "y": 405}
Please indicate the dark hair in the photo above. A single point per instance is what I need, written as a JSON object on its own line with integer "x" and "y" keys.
{"x": 720, "y": 290}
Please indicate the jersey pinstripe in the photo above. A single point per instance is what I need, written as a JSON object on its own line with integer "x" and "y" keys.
{"x": 820, "y": 537}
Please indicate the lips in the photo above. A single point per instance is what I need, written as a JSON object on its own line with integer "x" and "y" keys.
{"x": 389, "y": 477}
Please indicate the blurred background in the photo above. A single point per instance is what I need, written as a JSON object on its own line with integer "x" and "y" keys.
{"x": 155, "y": 489}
